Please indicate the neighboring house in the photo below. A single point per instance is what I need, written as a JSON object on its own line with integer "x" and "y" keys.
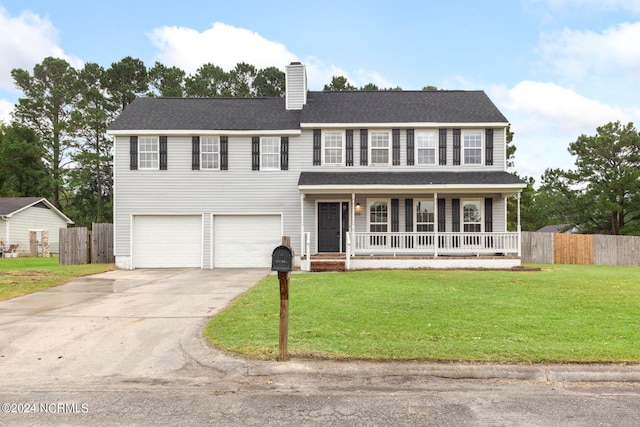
{"x": 20, "y": 215}
{"x": 559, "y": 228}
{"x": 375, "y": 178}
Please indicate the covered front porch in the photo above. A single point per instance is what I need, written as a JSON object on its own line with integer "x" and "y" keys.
{"x": 406, "y": 221}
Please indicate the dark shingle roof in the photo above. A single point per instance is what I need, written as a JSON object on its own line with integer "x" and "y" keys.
{"x": 407, "y": 178}
{"x": 207, "y": 114}
{"x": 9, "y": 205}
{"x": 439, "y": 106}
{"x": 322, "y": 107}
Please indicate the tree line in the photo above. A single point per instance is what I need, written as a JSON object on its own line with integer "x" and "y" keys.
{"x": 56, "y": 145}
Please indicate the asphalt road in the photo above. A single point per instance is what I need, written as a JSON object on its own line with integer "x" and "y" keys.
{"x": 124, "y": 348}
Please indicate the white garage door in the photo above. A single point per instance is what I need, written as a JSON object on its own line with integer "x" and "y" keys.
{"x": 166, "y": 241}
{"x": 245, "y": 240}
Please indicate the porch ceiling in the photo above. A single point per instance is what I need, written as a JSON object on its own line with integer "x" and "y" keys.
{"x": 409, "y": 182}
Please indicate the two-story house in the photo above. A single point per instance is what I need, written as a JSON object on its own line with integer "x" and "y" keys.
{"x": 376, "y": 179}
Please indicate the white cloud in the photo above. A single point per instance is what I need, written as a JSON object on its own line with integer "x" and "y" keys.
{"x": 225, "y": 45}
{"x": 6, "y": 108}
{"x": 222, "y": 45}
{"x": 25, "y": 41}
{"x": 574, "y": 54}
{"x": 546, "y": 118}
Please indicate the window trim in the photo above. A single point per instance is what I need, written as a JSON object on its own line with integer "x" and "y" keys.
{"x": 480, "y": 202}
{"x": 202, "y": 152}
{"x": 463, "y": 148}
{"x": 371, "y": 148}
{"x": 343, "y": 149}
{"x": 277, "y": 153}
{"x": 369, "y": 223}
{"x": 435, "y": 148}
{"x": 141, "y": 141}
{"x": 415, "y": 215}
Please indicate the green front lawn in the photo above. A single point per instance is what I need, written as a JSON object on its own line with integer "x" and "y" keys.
{"x": 565, "y": 313}
{"x": 21, "y": 276}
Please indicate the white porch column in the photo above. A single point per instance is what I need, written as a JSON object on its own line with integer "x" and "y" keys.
{"x": 519, "y": 230}
{"x": 352, "y": 227}
{"x": 435, "y": 225}
{"x": 302, "y": 243}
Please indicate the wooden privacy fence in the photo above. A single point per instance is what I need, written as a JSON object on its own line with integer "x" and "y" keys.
{"x": 79, "y": 245}
{"x": 557, "y": 248}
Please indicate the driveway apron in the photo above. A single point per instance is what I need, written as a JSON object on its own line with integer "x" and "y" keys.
{"x": 112, "y": 326}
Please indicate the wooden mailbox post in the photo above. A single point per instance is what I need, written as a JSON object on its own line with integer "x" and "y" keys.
{"x": 282, "y": 262}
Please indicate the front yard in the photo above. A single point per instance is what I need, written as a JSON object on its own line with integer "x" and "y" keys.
{"x": 565, "y": 313}
{"x": 21, "y": 276}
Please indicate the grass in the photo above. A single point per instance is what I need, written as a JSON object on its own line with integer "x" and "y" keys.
{"x": 565, "y": 313}
{"x": 21, "y": 276}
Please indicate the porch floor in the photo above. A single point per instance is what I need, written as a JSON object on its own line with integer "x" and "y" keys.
{"x": 337, "y": 261}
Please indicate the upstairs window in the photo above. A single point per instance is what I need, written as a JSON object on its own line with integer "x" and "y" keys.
{"x": 148, "y": 152}
{"x": 472, "y": 145}
{"x": 270, "y": 153}
{"x": 209, "y": 152}
{"x": 426, "y": 147}
{"x": 333, "y": 148}
{"x": 379, "y": 143}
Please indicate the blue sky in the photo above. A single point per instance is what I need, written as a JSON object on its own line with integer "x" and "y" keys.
{"x": 556, "y": 68}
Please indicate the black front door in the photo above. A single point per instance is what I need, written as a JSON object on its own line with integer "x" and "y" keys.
{"x": 329, "y": 227}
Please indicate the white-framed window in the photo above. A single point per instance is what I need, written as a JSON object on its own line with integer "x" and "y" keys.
{"x": 472, "y": 216}
{"x": 378, "y": 216}
{"x": 270, "y": 153}
{"x": 425, "y": 216}
{"x": 472, "y": 147}
{"x": 148, "y": 152}
{"x": 380, "y": 148}
{"x": 209, "y": 152}
{"x": 333, "y": 147}
{"x": 426, "y": 147}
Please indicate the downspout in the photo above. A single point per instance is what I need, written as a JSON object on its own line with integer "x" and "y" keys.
{"x": 302, "y": 236}
{"x": 519, "y": 230}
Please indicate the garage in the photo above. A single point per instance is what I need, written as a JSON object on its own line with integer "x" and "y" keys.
{"x": 166, "y": 241}
{"x": 245, "y": 240}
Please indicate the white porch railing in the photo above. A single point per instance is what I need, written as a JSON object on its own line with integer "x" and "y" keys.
{"x": 435, "y": 244}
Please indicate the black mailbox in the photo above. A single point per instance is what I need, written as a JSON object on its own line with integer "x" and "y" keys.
{"x": 282, "y": 259}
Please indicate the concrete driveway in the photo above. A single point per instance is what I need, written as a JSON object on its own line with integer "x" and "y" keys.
{"x": 117, "y": 326}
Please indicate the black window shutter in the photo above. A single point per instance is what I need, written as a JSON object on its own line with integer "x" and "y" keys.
{"x": 410, "y": 147}
{"x": 317, "y": 147}
{"x": 488, "y": 215}
{"x": 163, "y": 153}
{"x": 455, "y": 215}
{"x": 395, "y": 144}
{"x": 224, "y": 153}
{"x": 408, "y": 215}
{"x": 195, "y": 153}
{"x": 442, "y": 147}
{"x": 395, "y": 215}
{"x": 255, "y": 153}
{"x": 133, "y": 153}
{"x": 442, "y": 212}
{"x": 364, "y": 147}
{"x": 349, "y": 147}
{"x": 284, "y": 153}
{"x": 456, "y": 147}
{"x": 488, "y": 156}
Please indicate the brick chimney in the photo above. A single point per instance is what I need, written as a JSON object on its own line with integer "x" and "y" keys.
{"x": 296, "y": 86}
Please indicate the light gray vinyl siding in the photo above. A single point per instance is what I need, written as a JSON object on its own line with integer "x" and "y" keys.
{"x": 34, "y": 218}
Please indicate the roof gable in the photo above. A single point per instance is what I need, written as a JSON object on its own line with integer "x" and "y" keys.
{"x": 10, "y": 206}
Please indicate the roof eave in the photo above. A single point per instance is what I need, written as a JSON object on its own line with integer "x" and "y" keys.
{"x": 402, "y": 125}
{"x": 422, "y": 188}
{"x": 181, "y": 132}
